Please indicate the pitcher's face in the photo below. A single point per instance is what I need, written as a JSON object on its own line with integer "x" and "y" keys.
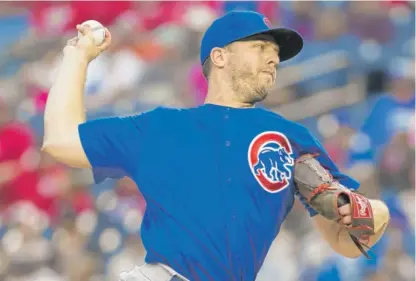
{"x": 252, "y": 66}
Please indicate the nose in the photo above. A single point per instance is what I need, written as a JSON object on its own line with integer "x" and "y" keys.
{"x": 273, "y": 60}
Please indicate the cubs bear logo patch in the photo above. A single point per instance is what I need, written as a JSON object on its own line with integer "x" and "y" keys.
{"x": 270, "y": 157}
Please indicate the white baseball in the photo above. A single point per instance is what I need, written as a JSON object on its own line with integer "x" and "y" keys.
{"x": 98, "y": 31}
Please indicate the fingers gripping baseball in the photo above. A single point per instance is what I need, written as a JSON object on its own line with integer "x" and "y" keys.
{"x": 86, "y": 44}
{"x": 72, "y": 42}
{"x": 345, "y": 213}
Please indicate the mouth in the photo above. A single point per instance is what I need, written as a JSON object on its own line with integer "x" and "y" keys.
{"x": 270, "y": 73}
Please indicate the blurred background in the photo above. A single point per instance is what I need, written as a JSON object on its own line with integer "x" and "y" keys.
{"x": 352, "y": 86}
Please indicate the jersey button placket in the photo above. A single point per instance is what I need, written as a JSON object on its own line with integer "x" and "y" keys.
{"x": 228, "y": 144}
{"x": 226, "y": 117}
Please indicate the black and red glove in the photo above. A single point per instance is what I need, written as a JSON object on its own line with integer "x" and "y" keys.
{"x": 326, "y": 196}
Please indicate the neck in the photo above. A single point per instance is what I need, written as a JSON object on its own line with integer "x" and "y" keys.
{"x": 221, "y": 93}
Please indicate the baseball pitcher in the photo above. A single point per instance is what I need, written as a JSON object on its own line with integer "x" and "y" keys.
{"x": 219, "y": 179}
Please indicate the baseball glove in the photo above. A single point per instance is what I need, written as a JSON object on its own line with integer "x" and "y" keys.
{"x": 326, "y": 195}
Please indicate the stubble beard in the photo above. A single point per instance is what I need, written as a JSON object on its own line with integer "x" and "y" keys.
{"x": 247, "y": 88}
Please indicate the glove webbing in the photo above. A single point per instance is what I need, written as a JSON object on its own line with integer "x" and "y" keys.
{"x": 360, "y": 246}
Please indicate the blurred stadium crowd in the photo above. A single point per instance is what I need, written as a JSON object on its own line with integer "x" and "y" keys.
{"x": 352, "y": 86}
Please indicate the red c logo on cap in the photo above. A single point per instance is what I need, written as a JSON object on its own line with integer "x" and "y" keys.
{"x": 267, "y": 22}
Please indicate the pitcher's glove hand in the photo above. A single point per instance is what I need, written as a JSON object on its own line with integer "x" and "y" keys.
{"x": 326, "y": 196}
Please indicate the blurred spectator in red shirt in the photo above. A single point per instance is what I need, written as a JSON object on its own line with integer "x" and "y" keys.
{"x": 395, "y": 3}
{"x": 149, "y": 15}
{"x": 18, "y": 159}
{"x": 25, "y": 174}
{"x": 53, "y": 183}
{"x": 54, "y": 18}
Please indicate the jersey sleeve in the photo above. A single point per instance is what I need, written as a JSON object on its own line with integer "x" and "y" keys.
{"x": 113, "y": 145}
{"x": 311, "y": 145}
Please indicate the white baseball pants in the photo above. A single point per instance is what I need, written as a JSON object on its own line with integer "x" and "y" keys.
{"x": 152, "y": 272}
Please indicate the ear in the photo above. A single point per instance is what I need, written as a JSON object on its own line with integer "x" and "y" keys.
{"x": 218, "y": 57}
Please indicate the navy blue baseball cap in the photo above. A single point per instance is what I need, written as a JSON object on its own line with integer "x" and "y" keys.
{"x": 238, "y": 25}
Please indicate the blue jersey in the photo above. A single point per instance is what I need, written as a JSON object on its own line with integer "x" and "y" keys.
{"x": 218, "y": 182}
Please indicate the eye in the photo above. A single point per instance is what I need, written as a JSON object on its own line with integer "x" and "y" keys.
{"x": 261, "y": 47}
